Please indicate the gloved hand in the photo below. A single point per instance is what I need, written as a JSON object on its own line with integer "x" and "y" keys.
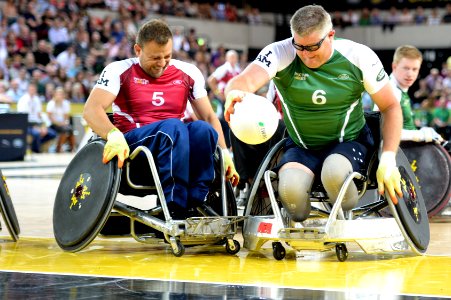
{"x": 431, "y": 135}
{"x": 116, "y": 145}
{"x": 425, "y": 134}
{"x": 229, "y": 167}
{"x": 387, "y": 175}
{"x": 232, "y": 97}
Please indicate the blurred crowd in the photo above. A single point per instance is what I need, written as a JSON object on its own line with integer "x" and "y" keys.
{"x": 56, "y": 44}
{"x": 393, "y": 17}
{"x": 432, "y": 100}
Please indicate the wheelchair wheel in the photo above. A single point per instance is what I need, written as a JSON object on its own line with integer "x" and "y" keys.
{"x": 431, "y": 164}
{"x": 411, "y": 209}
{"x": 214, "y": 198}
{"x": 259, "y": 203}
{"x": 7, "y": 210}
{"x": 85, "y": 197}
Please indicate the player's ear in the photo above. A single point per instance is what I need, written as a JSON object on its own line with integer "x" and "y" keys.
{"x": 137, "y": 49}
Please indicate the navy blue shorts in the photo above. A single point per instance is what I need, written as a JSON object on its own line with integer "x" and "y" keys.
{"x": 356, "y": 151}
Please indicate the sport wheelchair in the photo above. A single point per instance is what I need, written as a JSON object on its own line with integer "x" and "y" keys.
{"x": 86, "y": 205}
{"x": 405, "y": 227}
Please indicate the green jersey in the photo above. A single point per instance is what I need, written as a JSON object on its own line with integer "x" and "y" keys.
{"x": 404, "y": 100}
{"x": 324, "y": 105}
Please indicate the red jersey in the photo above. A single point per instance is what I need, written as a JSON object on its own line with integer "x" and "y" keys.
{"x": 142, "y": 99}
{"x": 224, "y": 73}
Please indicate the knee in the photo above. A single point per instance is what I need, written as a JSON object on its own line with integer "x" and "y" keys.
{"x": 175, "y": 128}
{"x": 201, "y": 130}
{"x": 294, "y": 188}
{"x": 336, "y": 168}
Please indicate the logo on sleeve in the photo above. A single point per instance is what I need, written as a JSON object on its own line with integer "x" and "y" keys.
{"x": 102, "y": 79}
{"x": 264, "y": 59}
{"x": 381, "y": 75}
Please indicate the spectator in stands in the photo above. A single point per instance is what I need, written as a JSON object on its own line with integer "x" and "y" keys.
{"x": 422, "y": 93}
{"x": 43, "y": 54}
{"x": 423, "y": 116}
{"x": 58, "y": 111}
{"x": 433, "y": 80}
{"x": 77, "y": 93}
{"x": 179, "y": 39}
{"x": 365, "y": 17}
{"x": 420, "y": 17}
{"x": 58, "y": 35}
{"x": 447, "y": 16}
{"x": 66, "y": 58}
{"x": 14, "y": 92}
{"x": 406, "y": 17}
{"x": 376, "y": 18}
{"x": 10, "y": 12}
{"x": 337, "y": 20}
{"x": 442, "y": 118}
{"x": 351, "y": 17}
{"x": 4, "y": 99}
{"x": 391, "y": 19}
{"x": 231, "y": 12}
{"x": 82, "y": 44}
{"x": 30, "y": 103}
{"x": 434, "y": 18}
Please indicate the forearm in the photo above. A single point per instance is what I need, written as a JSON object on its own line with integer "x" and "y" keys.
{"x": 97, "y": 119}
{"x": 217, "y": 126}
{"x": 391, "y": 128}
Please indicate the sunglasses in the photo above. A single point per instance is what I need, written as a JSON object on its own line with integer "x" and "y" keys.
{"x": 309, "y": 48}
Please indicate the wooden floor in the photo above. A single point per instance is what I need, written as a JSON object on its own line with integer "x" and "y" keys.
{"x": 124, "y": 267}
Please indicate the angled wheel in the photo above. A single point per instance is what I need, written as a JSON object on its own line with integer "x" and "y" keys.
{"x": 214, "y": 197}
{"x": 431, "y": 164}
{"x": 258, "y": 202}
{"x": 85, "y": 197}
{"x": 7, "y": 210}
{"x": 410, "y": 212}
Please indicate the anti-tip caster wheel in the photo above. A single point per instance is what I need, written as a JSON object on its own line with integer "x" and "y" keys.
{"x": 233, "y": 246}
{"x": 341, "y": 251}
{"x": 178, "y": 249}
{"x": 278, "y": 251}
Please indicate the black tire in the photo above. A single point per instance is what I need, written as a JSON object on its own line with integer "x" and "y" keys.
{"x": 235, "y": 250}
{"x": 180, "y": 249}
{"x": 411, "y": 208}
{"x": 278, "y": 251}
{"x": 7, "y": 210}
{"x": 342, "y": 252}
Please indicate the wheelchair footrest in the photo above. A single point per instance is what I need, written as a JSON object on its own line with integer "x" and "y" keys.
{"x": 309, "y": 233}
{"x": 211, "y": 226}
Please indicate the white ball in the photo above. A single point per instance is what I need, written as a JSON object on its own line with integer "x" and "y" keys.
{"x": 255, "y": 119}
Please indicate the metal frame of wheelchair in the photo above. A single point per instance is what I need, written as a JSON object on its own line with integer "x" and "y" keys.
{"x": 374, "y": 227}
{"x": 208, "y": 229}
